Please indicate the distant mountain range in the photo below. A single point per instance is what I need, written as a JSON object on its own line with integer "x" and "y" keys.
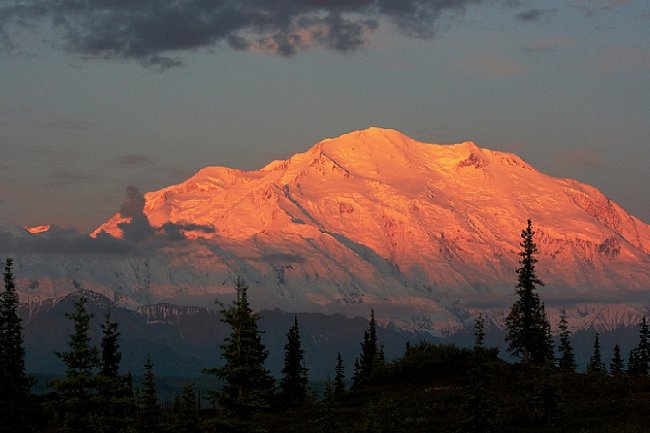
{"x": 425, "y": 234}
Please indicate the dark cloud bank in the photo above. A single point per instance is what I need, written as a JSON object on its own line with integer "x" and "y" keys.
{"x": 139, "y": 236}
{"x": 147, "y": 31}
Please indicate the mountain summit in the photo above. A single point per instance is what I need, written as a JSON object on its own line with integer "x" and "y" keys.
{"x": 373, "y": 218}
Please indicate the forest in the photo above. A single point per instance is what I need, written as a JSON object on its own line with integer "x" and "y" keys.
{"x": 430, "y": 388}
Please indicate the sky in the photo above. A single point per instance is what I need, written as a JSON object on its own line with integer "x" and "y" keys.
{"x": 101, "y": 98}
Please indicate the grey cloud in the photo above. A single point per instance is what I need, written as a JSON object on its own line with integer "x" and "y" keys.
{"x": 64, "y": 178}
{"x": 62, "y": 241}
{"x": 148, "y": 31}
{"x": 137, "y": 229}
{"x": 175, "y": 232}
{"x": 69, "y": 124}
{"x": 136, "y": 160}
{"x": 534, "y": 15}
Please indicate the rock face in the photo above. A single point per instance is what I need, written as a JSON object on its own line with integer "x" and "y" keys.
{"x": 423, "y": 233}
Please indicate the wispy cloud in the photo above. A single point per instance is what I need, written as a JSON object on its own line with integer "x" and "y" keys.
{"x": 549, "y": 44}
{"x": 148, "y": 31}
{"x": 139, "y": 237}
{"x": 535, "y": 15}
{"x": 63, "y": 178}
{"x": 68, "y": 124}
{"x": 490, "y": 66}
{"x": 136, "y": 160}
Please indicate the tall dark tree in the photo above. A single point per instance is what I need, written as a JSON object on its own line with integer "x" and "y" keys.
{"x": 528, "y": 329}
{"x": 479, "y": 334}
{"x": 339, "y": 376}
{"x": 187, "y": 412}
{"x": 596, "y": 366}
{"x": 78, "y": 388}
{"x": 248, "y": 385}
{"x": 15, "y": 384}
{"x": 643, "y": 349}
{"x": 110, "y": 356}
{"x": 371, "y": 355}
{"x": 616, "y": 367}
{"x": 328, "y": 421}
{"x": 566, "y": 360}
{"x": 293, "y": 385}
{"x": 149, "y": 412}
{"x": 478, "y": 408}
{"x": 114, "y": 395}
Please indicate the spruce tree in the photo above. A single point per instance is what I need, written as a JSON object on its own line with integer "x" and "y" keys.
{"x": 339, "y": 377}
{"x": 149, "y": 413}
{"x": 616, "y": 367}
{"x": 293, "y": 385}
{"x": 187, "y": 416}
{"x": 110, "y": 356}
{"x": 478, "y": 407}
{"x": 643, "y": 348}
{"x": 114, "y": 394}
{"x": 371, "y": 355}
{"x": 248, "y": 385}
{"x": 78, "y": 388}
{"x": 528, "y": 329}
{"x": 15, "y": 384}
{"x": 566, "y": 361}
{"x": 595, "y": 366}
{"x": 328, "y": 421}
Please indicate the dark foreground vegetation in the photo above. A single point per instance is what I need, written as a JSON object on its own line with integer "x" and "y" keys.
{"x": 430, "y": 388}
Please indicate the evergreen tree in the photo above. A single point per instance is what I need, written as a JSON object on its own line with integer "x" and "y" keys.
{"x": 149, "y": 414}
{"x": 339, "y": 377}
{"x": 248, "y": 385}
{"x": 15, "y": 384}
{"x": 595, "y": 366}
{"x": 110, "y": 357}
{"x": 643, "y": 348}
{"x": 79, "y": 386}
{"x": 371, "y": 355}
{"x": 479, "y": 334}
{"x": 633, "y": 364}
{"x": 293, "y": 385}
{"x": 114, "y": 394}
{"x": 528, "y": 329}
{"x": 478, "y": 406}
{"x": 328, "y": 421}
{"x": 187, "y": 417}
{"x": 566, "y": 361}
{"x": 616, "y": 367}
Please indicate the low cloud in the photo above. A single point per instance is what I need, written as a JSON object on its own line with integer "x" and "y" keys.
{"x": 139, "y": 237}
{"x": 64, "y": 178}
{"x": 136, "y": 160}
{"x": 176, "y": 232}
{"x": 148, "y": 31}
{"x": 535, "y": 15}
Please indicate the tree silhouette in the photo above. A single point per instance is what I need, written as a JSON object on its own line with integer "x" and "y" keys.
{"x": 15, "y": 384}
{"x": 566, "y": 361}
{"x": 616, "y": 367}
{"x": 248, "y": 385}
{"x": 528, "y": 329}
{"x": 371, "y": 355}
{"x": 339, "y": 376}
{"x": 293, "y": 385}
{"x": 149, "y": 413}
{"x": 79, "y": 386}
{"x": 596, "y": 366}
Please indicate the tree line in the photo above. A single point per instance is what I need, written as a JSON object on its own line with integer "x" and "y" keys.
{"x": 94, "y": 395}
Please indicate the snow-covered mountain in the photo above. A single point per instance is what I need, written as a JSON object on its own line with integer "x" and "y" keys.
{"x": 425, "y": 234}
